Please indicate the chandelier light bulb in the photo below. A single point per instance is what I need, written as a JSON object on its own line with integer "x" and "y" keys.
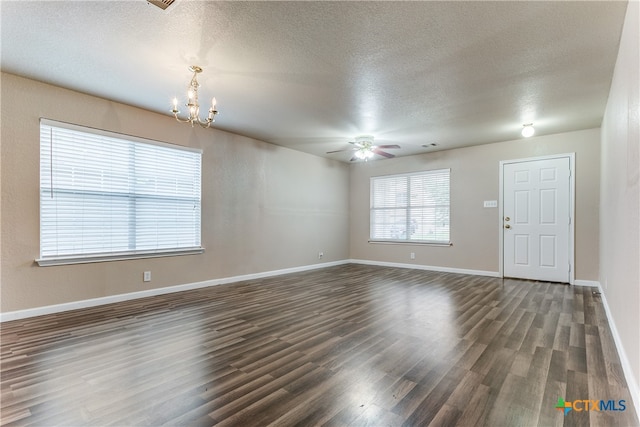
{"x": 528, "y": 130}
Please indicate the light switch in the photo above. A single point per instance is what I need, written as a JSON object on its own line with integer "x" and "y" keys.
{"x": 490, "y": 203}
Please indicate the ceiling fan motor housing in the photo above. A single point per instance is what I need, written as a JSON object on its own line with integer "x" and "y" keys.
{"x": 364, "y": 140}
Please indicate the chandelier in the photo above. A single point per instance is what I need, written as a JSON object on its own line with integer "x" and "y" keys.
{"x": 192, "y": 103}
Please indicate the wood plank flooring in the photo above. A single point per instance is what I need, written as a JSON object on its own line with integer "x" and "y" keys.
{"x": 351, "y": 345}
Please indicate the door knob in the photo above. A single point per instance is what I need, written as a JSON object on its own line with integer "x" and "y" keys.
{"x": 507, "y": 226}
{"x": 506, "y": 218}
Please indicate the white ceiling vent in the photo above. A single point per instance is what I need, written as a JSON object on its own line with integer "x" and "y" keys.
{"x": 162, "y": 4}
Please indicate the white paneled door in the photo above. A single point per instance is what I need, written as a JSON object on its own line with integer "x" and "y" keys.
{"x": 537, "y": 219}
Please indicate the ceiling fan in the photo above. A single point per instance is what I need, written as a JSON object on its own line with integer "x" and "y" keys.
{"x": 365, "y": 150}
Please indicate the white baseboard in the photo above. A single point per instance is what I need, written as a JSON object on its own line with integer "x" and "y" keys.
{"x": 428, "y": 267}
{"x": 590, "y": 283}
{"x": 632, "y": 384}
{"x": 58, "y": 308}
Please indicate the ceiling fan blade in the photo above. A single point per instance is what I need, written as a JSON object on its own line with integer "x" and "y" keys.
{"x": 340, "y": 151}
{"x": 356, "y": 143}
{"x": 382, "y": 153}
{"x": 388, "y": 146}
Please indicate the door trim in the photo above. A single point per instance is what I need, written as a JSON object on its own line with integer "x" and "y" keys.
{"x": 572, "y": 204}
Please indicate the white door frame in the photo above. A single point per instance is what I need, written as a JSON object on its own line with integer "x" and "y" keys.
{"x": 572, "y": 203}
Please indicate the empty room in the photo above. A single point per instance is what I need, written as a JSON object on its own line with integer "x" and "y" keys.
{"x": 332, "y": 213}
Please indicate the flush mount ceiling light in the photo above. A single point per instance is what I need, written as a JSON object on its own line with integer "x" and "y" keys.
{"x": 528, "y": 130}
{"x": 192, "y": 103}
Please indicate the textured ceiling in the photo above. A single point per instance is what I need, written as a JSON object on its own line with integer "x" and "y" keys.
{"x": 314, "y": 75}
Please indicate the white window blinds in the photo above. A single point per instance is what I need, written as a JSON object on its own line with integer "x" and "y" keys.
{"x": 105, "y": 194}
{"x": 411, "y": 207}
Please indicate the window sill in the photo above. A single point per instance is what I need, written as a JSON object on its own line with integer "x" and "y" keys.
{"x": 409, "y": 242}
{"x": 85, "y": 259}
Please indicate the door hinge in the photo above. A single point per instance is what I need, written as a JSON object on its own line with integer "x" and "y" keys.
{"x": 569, "y": 269}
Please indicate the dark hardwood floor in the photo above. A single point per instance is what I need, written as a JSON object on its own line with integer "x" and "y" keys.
{"x": 351, "y": 345}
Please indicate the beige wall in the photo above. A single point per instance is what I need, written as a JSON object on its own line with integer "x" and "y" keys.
{"x": 620, "y": 188}
{"x": 475, "y": 178}
{"x": 264, "y": 207}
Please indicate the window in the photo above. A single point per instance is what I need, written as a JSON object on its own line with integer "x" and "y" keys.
{"x": 411, "y": 207}
{"x": 107, "y": 196}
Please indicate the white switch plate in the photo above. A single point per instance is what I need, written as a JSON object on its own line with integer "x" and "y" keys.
{"x": 490, "y": 203}
{"x": 146, "y": 276}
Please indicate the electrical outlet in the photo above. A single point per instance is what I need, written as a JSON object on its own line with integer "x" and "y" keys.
{"x": 413, "y": 255}
{"x": 320, "y": 255}
{"x": 146, "y": 276}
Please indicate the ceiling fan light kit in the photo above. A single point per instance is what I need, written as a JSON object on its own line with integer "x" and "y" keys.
{"x": 364, "y": 154}
{"x": 192, "y": 103}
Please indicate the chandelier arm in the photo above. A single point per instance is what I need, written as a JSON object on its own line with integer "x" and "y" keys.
{"x": 181, "y": 120}
{"x": 210, "y": 118}
{"x": 204, "y": 125}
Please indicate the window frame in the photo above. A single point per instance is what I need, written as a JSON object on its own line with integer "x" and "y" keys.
{"x": 407, "y": 207}
{"x": 73, "y": 257}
